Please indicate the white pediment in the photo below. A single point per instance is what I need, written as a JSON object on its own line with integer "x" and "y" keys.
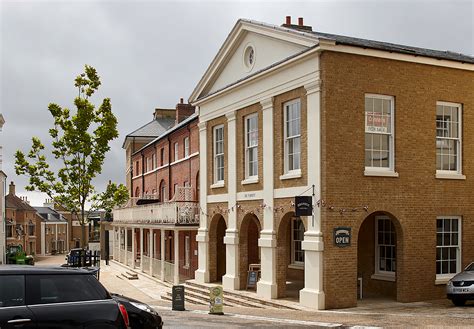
{"x": 267, "y": 51}
{"x": 270, "y": 45}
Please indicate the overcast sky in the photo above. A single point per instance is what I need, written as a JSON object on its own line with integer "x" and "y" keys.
{"x": 151, "y": 53}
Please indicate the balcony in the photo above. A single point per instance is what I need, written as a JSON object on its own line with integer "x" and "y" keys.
{"x": 165, "y": 213}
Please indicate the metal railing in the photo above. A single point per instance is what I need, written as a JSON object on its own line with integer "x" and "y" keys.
{"x": 169, "y": 271}
{"x": 156, "y": 264}
{"x": 178, "y": 212}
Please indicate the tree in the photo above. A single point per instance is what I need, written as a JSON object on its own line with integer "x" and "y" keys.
{"x": 80, "y": 140}
{"x": 114, "y": 195}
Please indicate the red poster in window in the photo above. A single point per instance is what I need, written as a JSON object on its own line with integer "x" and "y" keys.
{"x": 377, "y": 122}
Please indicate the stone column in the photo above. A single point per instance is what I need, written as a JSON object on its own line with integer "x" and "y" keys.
{"x": 141, "y": 249}
{"x": 162, "y": 254}
{"x": 133, "y": 247}
{"x": 125, "y": 231}
{"x": 230, "y": 280}
{"x": 266, "y": 286}
{"x": 202, "y": 238}
{"x": 151, "y": 250}
{"x": 176, "y": 257}
{"x": 117, "y": 241}
{"x": 313, "y": 295}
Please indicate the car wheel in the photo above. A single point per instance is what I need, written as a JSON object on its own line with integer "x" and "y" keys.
{"x": 459, "y": 301}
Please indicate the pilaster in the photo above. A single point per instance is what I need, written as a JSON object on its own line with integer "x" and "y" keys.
{"x": 176, "y": 257}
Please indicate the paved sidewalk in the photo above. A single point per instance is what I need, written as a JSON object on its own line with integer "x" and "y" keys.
{"x": 369, "y": 313}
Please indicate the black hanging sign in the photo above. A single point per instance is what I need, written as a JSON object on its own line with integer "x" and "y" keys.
{"x": 303, "y": 205}
{"x": 342, "y": 236}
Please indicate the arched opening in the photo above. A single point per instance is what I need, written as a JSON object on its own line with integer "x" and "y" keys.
{"x": 378, "y": 253}
{"x": 217, "y": 248}
{"x": 163, "y": 194}
{"x": 249, "y": 252}
{"x": 290, "y": 256}
{"x": 137, "y": 192}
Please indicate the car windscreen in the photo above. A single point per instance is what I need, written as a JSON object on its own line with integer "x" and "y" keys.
{"x": 61, "y": 288}
{"x": 12, "y": 290}
{"x": 470, "y": 268}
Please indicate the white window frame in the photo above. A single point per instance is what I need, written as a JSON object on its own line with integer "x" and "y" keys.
{"x": 458, "y": 172}
{"x": 296, "y": 172}
{"x": 248, "y": 148}
{"x": 186, "y": 147}
{"x": 216, "y": 155}
{"x": 153, "y": 161}
{"x": 187, "y": 251}
{"x": 390, "y": 170}
{"x": 378, "y": 274}
{"x": 294, "y": 263}
{"x": 443, "y": 278}
{"x": 176, "y": 152}
{"x": 149, "y": 165}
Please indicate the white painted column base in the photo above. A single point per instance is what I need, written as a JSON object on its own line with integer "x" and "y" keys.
{"x": 201, "y": 275}
{"x": 231, "y": 281}
{"x": 266, "y": 286}
{"x": 312, "y": 295}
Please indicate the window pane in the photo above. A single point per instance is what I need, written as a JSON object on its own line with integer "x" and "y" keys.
{"x": 12, "y": 290}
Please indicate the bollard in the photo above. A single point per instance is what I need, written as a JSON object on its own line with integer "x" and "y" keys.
{"x": 216, "y": 296}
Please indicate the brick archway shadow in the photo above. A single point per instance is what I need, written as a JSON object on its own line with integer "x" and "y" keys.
{"x": 373, "y": 284}
{"x": 289, "y": 280}
{"x": 217, "y": 248}
{"x": 249, "y": 252}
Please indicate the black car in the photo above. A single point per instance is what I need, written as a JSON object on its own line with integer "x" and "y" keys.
{"x": 66, "y": 298}
{"x": 141, "y": 315}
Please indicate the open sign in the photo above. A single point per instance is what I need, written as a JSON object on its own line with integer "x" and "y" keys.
{"x": 342, "y": 236}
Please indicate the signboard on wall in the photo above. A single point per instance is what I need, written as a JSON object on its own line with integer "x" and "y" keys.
{"x": 342, "y": 236}
{"x": 303, "y": 205}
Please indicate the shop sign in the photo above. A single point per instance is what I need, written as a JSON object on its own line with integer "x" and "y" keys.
{"x": 342, "y": 236}
{"x": 216, "y": 300}
{"x": 376, "y": 122}
{"x": 303, "y": 206}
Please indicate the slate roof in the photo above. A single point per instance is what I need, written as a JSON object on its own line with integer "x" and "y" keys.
{"x": 169, "y": 131}
{"x": 396, "y": 48}
{"x": 152, "y": 129}
{"x": 49, "y": 215}
{"x": 14, "y": 202}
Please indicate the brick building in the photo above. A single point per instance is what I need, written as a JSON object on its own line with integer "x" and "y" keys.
{"x": 21, "y": 222}
{"x": 384, "y": 133}
{"x": 3, "y": 179}
{"x": 156, "y": 230}
{"x": 52, "y": 232}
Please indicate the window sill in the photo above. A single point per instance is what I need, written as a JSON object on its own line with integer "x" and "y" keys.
{"x": 296, "y": 266}
{"x": 250, "y": 180}
{"x": 218, "y": 184}
{"x": 447, "y": 175}
{"x": 380, "y": 173}
{"x": 186, "y": 267}
{"x": 443, "y": 279}
{"x": 383, "y": 277}
{"x": 291, "y": 174}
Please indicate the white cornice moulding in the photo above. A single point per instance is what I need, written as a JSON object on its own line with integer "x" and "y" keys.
{"x": 217, "y": 198}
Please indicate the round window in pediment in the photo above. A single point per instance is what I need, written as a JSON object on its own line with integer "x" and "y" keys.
{"x": 249, "y": 56}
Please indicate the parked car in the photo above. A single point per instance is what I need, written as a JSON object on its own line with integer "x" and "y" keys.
{"x": 140, "y": 314}
{"x": 46, "y": 297}
{"x": 461, "y": 287}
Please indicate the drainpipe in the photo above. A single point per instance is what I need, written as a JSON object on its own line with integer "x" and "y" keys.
{"x": 189, "y": 160}
{"x": 131, "y": 167}
{"x": 169, "y": 167}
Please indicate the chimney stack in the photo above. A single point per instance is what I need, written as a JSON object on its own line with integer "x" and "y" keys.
{"x": 183, "y": 110}
{"x": 300, "y": 26}
{"x": 11, "y": 188}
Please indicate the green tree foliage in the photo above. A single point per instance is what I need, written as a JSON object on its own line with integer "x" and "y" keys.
{"x": 114, "y": 195}
{"x": 80, "y": 140}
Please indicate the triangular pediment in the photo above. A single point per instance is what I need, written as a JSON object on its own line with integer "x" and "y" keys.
{"x": 250, "y": 48}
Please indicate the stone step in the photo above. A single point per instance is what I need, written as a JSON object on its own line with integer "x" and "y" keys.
{"x": 187, "y": 299}
{"x": 129, "y": 276}
{"x": 233, "y": 301}
{"x": 236, "y": 294}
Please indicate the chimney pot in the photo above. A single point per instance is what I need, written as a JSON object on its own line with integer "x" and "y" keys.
{"x": 288, "y": 20}
{"x": 300, "y": 21}
{"x": 181, "y": 100}
{"x": 11, "y": 188}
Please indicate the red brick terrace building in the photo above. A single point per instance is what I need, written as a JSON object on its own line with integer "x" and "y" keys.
{"x": 156, "y": 230}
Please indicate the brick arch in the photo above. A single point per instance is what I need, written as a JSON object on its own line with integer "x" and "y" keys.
{"x": 283, "y": 252}
{"x": 249, "y": 252}
{"x": 217, "y": 249}
{"x": 365, "y": 238}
